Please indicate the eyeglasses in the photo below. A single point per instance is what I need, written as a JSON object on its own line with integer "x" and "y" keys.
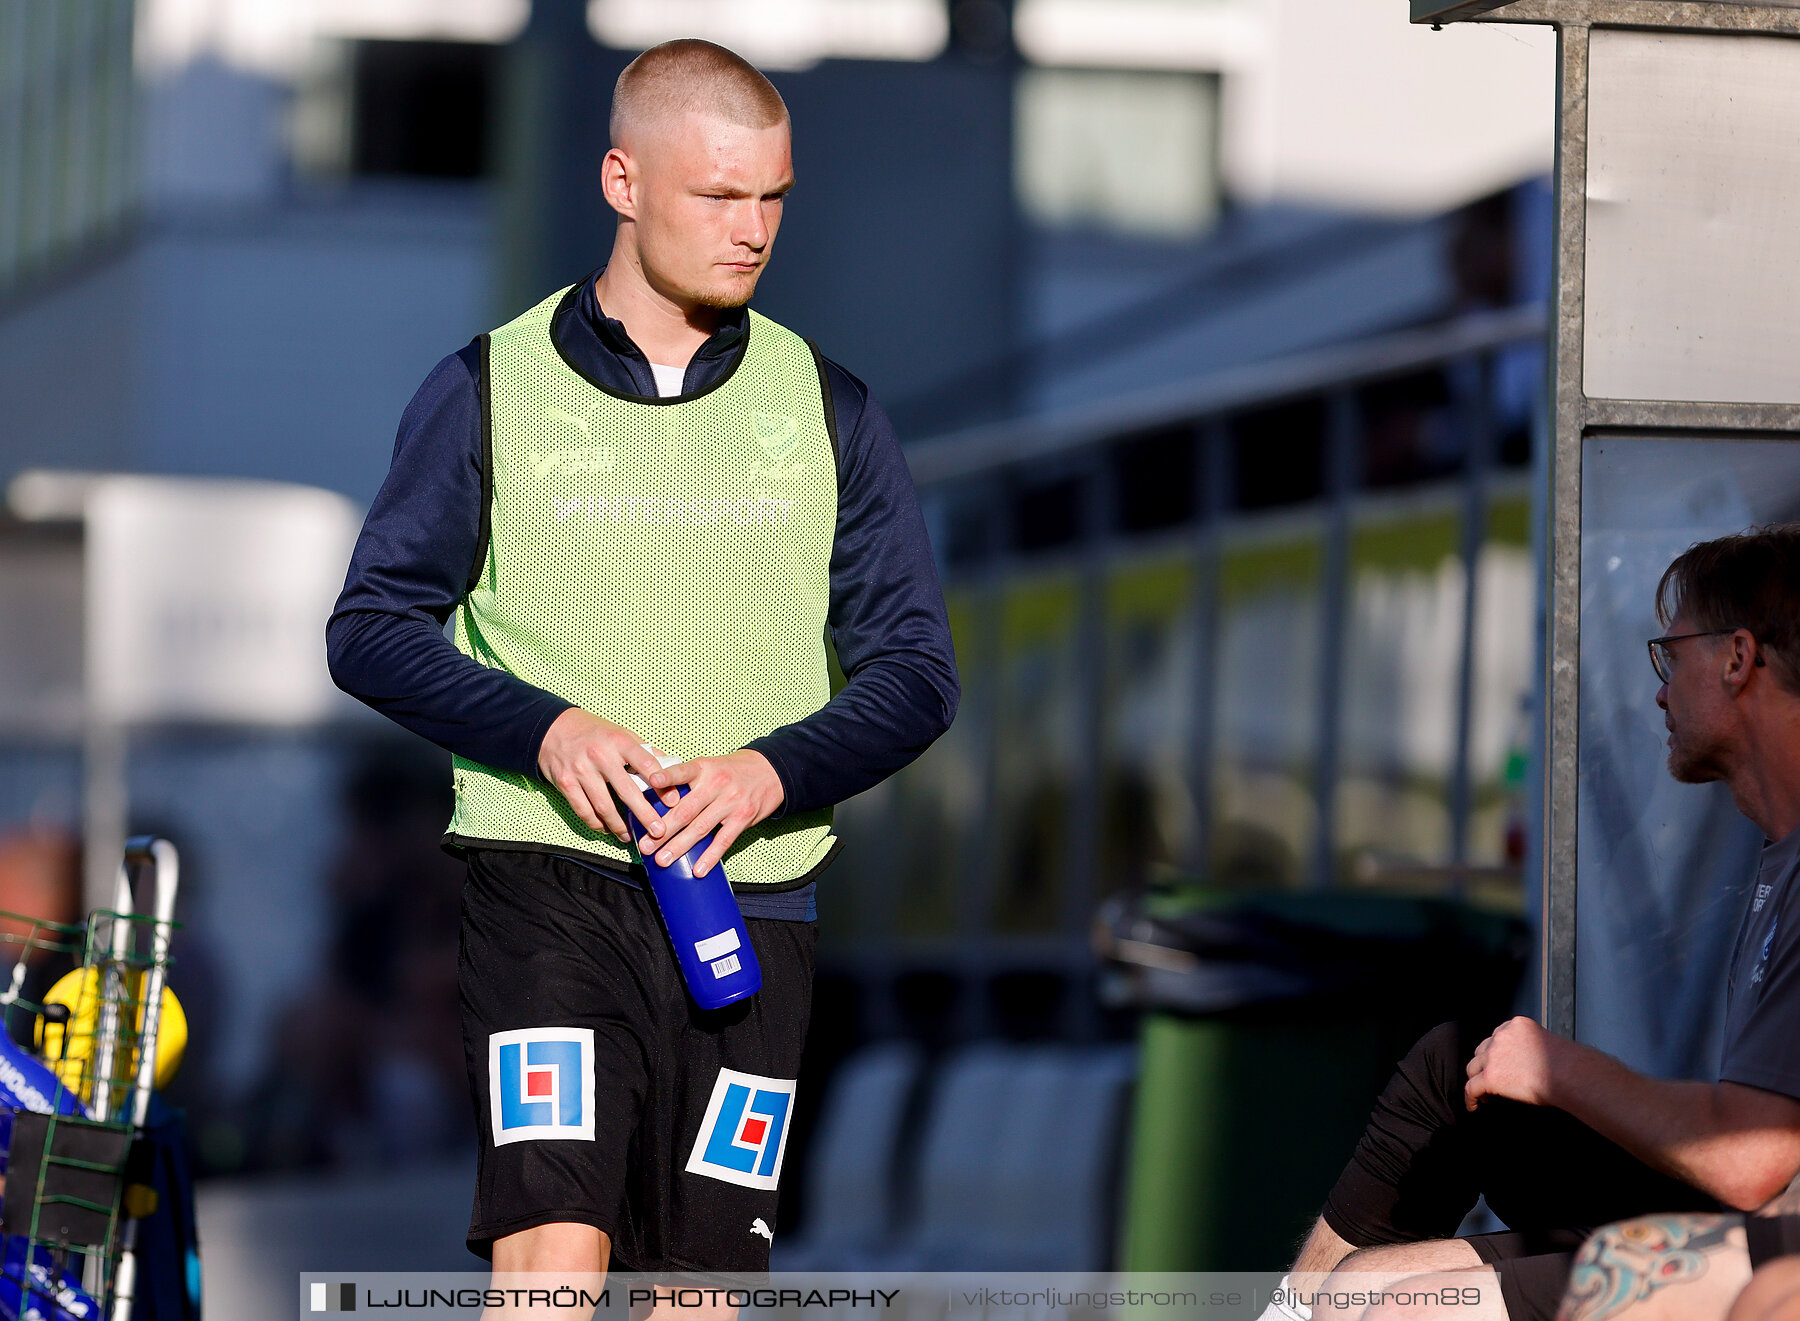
{"x": 1662, "y": 655}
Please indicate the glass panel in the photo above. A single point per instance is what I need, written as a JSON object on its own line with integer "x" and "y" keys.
{"x": 1034, "y": 749}
{"x": 1693, "y": 274}
{"x": 1147, "y": 811}
{"x": 1398, "y": 694}
{"x": 1266, "y": 699}
{"x": 1662, "y": 866}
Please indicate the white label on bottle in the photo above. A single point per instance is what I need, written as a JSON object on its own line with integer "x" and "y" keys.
{"x": 715, "y": 946}
{"x": 726, "y": 966}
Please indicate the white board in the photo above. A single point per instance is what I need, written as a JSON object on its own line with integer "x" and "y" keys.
{"x": 1693, "y": 217}
{"x": 207, "y": 599}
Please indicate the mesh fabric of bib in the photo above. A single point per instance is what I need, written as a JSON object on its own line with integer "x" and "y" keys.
{"x": 665, "y": 565}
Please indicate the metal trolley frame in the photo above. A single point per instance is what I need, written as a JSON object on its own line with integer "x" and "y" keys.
{"x": 70, "y": 1191}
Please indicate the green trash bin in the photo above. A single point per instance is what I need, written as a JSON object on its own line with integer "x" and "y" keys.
{"x": 1270, "y": 1024}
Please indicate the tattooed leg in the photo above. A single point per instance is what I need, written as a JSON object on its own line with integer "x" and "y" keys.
{"x": 1689, "y": 1266}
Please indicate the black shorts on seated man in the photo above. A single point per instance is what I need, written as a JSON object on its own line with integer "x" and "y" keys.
{"x": 1558, "y": 1137}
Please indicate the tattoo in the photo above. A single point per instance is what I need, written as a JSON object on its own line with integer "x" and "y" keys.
{"x": 1626, "y": 1263}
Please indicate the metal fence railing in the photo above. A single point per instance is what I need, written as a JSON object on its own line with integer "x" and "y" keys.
{"x": 1271, "y": 628}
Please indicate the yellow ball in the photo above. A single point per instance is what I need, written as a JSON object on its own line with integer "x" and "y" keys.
{"x": 80, "y": 992}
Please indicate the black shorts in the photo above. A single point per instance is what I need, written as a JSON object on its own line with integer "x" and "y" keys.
{"x": 1533, "y": 1269}
{"x": 602, "y": 1095}
{"x": 1769, "y": 1237}
{"x": 1425, "y": 1158}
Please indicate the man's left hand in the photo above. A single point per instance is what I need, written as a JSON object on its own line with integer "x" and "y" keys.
{"x": 728, "y": 794}
{"x": 1520, "y": 1061}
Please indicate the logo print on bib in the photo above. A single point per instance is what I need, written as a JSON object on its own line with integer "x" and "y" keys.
{"x": 780, "y": 440}
{"x": 541, "y": 1084}
{"x": 744, "y": 1135}
{"x": 777, "y": 435}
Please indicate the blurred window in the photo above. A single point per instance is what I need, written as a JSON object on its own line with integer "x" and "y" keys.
{"x": 1155, "y": 481}
{"x": 1047, "y": 515}
{"x": 1397, "y": 698}
{"x": 421, "y": 108}
{"x": 1278, "y": 454}
{"x": 962, "y": 523}
{"x": 930, "y": 859}
{"x": 1411, "y": 433}
{"x": 1121, "y": 150}
{"x": 1035, "y": 741}
{"x": 66, "y": 130}
{"x": 1145, "y": 802}
{"x": 1501, "y": 718}
{"x": 1271, "y": 594}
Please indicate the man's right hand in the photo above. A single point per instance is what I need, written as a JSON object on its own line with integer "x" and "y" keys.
{"x": 589, "y": 760}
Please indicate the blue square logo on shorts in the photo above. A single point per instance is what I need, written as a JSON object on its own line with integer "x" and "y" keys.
{"x": 744, "y": 1135}
{"x": 541, "y": 1084}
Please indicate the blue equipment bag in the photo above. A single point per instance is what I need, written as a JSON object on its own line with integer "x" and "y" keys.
{"x": 168, "y": 1242}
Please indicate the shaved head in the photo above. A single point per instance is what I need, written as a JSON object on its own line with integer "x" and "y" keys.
{"x": 689, "y": 75}
{"x": 701, "y": 160}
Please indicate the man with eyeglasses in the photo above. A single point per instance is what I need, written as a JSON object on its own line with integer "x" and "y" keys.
{"x": 1560, "y": 1138}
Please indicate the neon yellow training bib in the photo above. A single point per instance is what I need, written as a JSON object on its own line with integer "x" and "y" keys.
{"x": 663, "y": 564}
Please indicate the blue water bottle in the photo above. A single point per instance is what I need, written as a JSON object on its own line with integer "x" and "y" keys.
{"x": 701, "y": 916}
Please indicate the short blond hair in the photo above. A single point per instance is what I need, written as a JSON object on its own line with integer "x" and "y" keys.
{"x": 690, "y": 74}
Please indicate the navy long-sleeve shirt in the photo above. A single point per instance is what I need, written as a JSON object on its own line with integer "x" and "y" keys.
{"x": 414, "y": 560}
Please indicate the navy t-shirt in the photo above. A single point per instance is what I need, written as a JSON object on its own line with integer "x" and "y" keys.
{"x": 1762, "y": 998}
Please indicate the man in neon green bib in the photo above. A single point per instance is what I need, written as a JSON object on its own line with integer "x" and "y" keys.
{"x": 648, "y": 509}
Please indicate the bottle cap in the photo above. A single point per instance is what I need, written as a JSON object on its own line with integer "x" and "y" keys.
{"x": 665, "y": 762}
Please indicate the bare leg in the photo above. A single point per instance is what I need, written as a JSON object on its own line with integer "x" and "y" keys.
{"x": 1319, "y": 1255}
{"x": 1343, "y": 1294}
{"x": 564, "y": 1254}
{"x": 574, "y": 1256}
{"x": 1324, "y": 1252}
{"x": 1472, "y": 1294}
{"x": 1374, "y": 1273}
{"x": 1402, "y": 1259}
{"x": 1321, "y": 1252}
